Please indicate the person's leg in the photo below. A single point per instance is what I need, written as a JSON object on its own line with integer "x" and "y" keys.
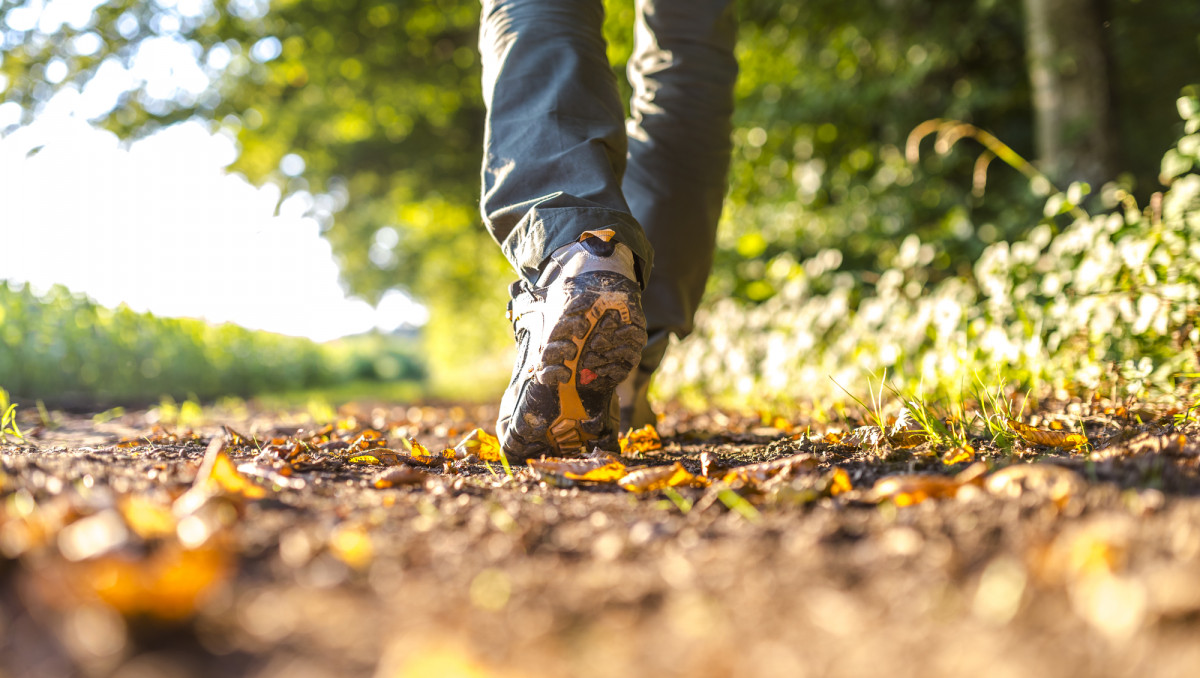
{"x": 554, "y": 153}
{"x": 683, "y": 72}
{"x": 554, "y": 144}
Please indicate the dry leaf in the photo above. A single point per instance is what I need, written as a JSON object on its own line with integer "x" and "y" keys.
{"x": 657, "y": 477}
{"x": 419, "y": 454}
{"x": 1050, "y": 481}
{"x": 909, "y": 489}
{"x": 564, "y": 465}
{"x": 276, "y": 473}
{"x": 640, "y": 441}
{"x": 958, "y": 455}
{"x": 365, "y": 459}
{"x": 168, "y": 584}
{"x": 237, "y": 439}
{"x": 839, "y": 482}
{"x": 609, "y": 473}
{"x": 399, "y": 475}
{"x": 754, "y": 474}
{"x": 352, "y": 545}
{"x": 147, "y": 518}
{"x": 1035, "y": 436}
{"x": 906, "y": 432}
{"x": 480, "y": 443}
{"x": 217, "y": 473}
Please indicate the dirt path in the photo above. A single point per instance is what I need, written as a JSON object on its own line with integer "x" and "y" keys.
{"x": 1089, "y": 565}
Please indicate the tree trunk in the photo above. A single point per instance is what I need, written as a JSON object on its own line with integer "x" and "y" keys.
{"x": 1075, "y": 130}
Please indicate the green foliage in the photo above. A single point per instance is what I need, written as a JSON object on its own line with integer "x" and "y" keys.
{"x": 1086, "y": 304}
{"x": 380, "y": 100}
{"x": 66, "y": 349}
{"x": 8, "y": 418}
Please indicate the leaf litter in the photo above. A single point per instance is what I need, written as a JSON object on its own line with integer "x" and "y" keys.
{"x": 171, "y": 539}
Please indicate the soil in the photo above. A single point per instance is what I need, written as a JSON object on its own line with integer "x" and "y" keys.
{"x": 109, "y": 566}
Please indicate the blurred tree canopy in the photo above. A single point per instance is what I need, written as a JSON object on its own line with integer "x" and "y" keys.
{"x": 373, "y": 109}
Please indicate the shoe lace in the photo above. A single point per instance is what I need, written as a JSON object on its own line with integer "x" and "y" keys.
{"x": 515, "y": 290}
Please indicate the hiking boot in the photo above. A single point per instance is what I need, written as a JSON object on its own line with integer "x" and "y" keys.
{"x": 579, "y": 331}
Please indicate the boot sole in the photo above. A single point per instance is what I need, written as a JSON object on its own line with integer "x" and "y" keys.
{"x": 564, "y": 406}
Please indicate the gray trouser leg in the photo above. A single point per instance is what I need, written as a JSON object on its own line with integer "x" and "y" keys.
{"x": 554, "y": 144}
{"x": 683, "y": 72}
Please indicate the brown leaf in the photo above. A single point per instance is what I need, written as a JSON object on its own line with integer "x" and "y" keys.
{"x": 218, "y": 473}
{"x": 658, "y": 477}
{"x": 399, "y": 475}
{"x": 1049, "y": 481}
{"x": 755, "y": 474}
{"x": 909, "y": 489}
{"x": 1061, "y": 439}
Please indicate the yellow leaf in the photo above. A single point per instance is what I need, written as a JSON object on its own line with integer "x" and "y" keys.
{"x": 909, "y": 489}
{"x": 657, "y": 477}
{"x": 351, "y": 544}
{"x": 639, "y": 441}
{"x": 958, "y": 455}
{"x": 834, "y": 438}
{"x": 609, "y": 473}
{"x": 148, "y": 519}
{"x": 480, "y": 443}
{"x": 839, "y": 482}
{"x": 420, "y": 452}
{"x": 168, "y": 584}
{"x": 367, "y": 459}
{"x": 217, "y": 472}
{"x": 1060, "y": 439}
{"x": 782, "y": 424}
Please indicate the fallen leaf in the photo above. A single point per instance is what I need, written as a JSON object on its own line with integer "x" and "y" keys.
{"x": 480, "y": 443}
{"x": 754, "y": 474}
{"x": 420, "y": 453}
{"x": 169, "y": 584}
{"x": 640, "y": 441}
{"x": 958, "y": 455}
{"x": 1049, "y": 481}
{"x": 352, "y": 545}
{"x": 564, "y": 465}
{"x": 609, "y": 473}
{"x": 399, "y": 475}
{"x": 658, "y": 477}
{"x": 280, "y": 475}
{"x": 839, "y": 482}
{"x": 218, "y": 473}
{"x": 237, "y": 439}
{"x": 1061, "y": 439}
{"x": 834, "y": 438}
{"x": 909, "y": 489}
{"x": 147, "y": 518}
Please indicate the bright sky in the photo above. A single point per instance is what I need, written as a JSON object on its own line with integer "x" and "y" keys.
{"x": 159, "y": 224}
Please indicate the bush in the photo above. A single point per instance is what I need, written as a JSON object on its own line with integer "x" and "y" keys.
{"x": 64, "y": 348}
{"x": 1107, "y": 298}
